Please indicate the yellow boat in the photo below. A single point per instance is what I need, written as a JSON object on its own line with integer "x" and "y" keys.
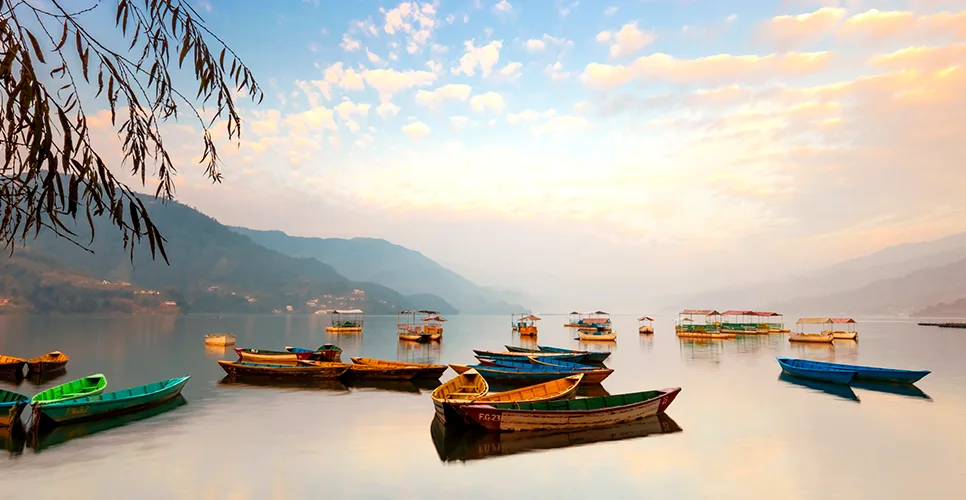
{"x": 410, "y": 326}
{"x": 346, "y": 321}
{"x": 462, "y": 389}
{"x": 525, "y": 325}
{"x": 645, "y": 325}
{"x": 219, "y": 339}
{"x": 825, "y": 337}
{"x": 425, "y": 371}
{"x": 849, "y": 333}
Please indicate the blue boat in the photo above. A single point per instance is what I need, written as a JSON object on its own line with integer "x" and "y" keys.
{"x": 511, "y": 356}
{"x": 11, "y": 406}
{"x": 536, "y": 360}
{"x": 589, "y": 356}
{"x": 815, "y": 370}
{"x": 879, "y": 374}
{"x": 535, "y": 373}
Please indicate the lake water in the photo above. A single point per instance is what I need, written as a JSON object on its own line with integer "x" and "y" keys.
{"x": 737, "y": 430}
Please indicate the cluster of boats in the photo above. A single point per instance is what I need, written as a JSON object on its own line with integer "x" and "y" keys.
{"x": 547, "y": 405}
{"x": 52, "y": 362}
{"x": 711, "y": 324}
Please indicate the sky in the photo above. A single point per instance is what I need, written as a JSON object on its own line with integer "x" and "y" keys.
{"x": 598, "y": 152}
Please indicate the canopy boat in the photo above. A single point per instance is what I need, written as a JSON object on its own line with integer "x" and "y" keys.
{"x": 522, "y": 373}
{"x": 90, "y": 385}
{"x": 114, "y": 403}
{"x": 423, "y": 371}
{"x": 872, "y": 373}
{"x": 462, "y": 389}
{"x": 11, "y": 366}
{"x": 589, "y": 356}
{"x": 419, "y": 325}
{"x": 49, "y": 362}
{"x": 377, "y": 372}
{"x": 266, "y": 356}
{"x": 594, "y": 321}
{"x": 346, "y": 321}
{"x": 325, "y": 352}
{"x": 304, "y": 369}
{"x": 596, "y": 335}
{"x": 825, "y": 337}
{"x": 572, "y": 413}
{"x": 219, "y": 339}
{"x": 573, "y": 321}
{"x": 526, "y": 325}
{"x": 11, "y": 406}
{"x": 710, "y": 328}
{"x": 575, "y": 357}
{"x": 770, "y": 324}
{"x": 645, "y": 325}
{"x": 846, "y": 332}
{"x": 815, "y": 370}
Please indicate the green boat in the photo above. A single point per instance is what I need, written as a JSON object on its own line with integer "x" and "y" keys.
{"x": 113, "y": 403}
{"x": 90, "y": 385}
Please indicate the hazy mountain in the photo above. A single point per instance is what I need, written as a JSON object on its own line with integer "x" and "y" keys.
{"x": 898, "y": 279}
{"x": 216, "y": 269}
{"x": 954, "y": 309}
{"x": 397, "y": 267}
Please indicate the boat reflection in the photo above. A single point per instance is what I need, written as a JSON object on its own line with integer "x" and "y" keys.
{"x": 52, "y": 435}
{"x": 427, "y": 353}
{"x": 12, "y": 379}
{"x": 384, "y": 385}
{"x": 43, "y": 378}
{"x": 13, "y": 439}
{"x": 907, "y": 390}
{"x": 647, "y": 342}
{"x": 463, "y": 444}
{"x": 704, "y": 350}
{"x": 597, "y": 345}
{"x": 526, "y": 341}
{"x": 838, "y": 390}
{"x": 334, "y": 385}
{"x": 216, "y": 351}
{"x": 351, "y": 342}
{"x": 591, "y": 391}
{"x": 813, "y": 350}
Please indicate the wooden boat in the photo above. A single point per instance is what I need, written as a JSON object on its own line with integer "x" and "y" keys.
{"x": 219, "y": 339}
{"x": 346, "y": 321}
{"x": 686, "y": 328}
{"x": 11, "y": 366}
{"x": 304, "y": 369}
{"x": 423, "y": 372}
{"x": 326, "y": 352}
{"x": 90, "y": 385}
{"x": 815, "y": 370}
{"x": 897, "y": 376}
{"x": 645, "y": 325}
{"x": 596, "y": 335}
{"x": 571, "y": 413}
{"x": 589, "y": 356}
{"x": 521, "y": 373}
{"x": 563, "y": 356}
{"x": 113, "y": 403}
{"x": 462, "y": 389}
{"x": 848, "y": 333}
{"x": 49, "y": 362}
{"x": 266, "y": 356}
{"x": 562, "y": 388}
{"x": 11, "y": 406}
{"x": 376, "y": 372}
{"x": 525, "y": 324}
{"x": 814, "y": 338}
{"x": 428, "y": 328}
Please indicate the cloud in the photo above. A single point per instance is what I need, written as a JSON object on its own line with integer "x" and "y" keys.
{"x": 489, "y": 102}
{"x": 789, "y": 32}
{"x": 347, "y": 110}
{"x": 541, "y": 44}
{"x": 535, "y": 45}
{"x": 503, "y": 7}
{"x": 511, "y": 71}
{"x": 349, "y": 44}
{"x": 373, "y": 58}
{"x": 555, "y": 71}
{"x": 344, "y": 78}
{"x": 414, "y": 22}
{"x": 458, "y": 122}
{"x": 416, "y": 130}
{"x": 923, "y": 58}
{"x": 717, "y": 68}
{"x": 389, "y": 82}
{"x": 529, "y": 115}
{"x": 628, "y": 40}
{"x": 452, "y": 91}
{"x": 880, "y": 26}
{"x": 484, "y": 58}
{"x": 387, "y": 109}
{"x": 610, "y": 11}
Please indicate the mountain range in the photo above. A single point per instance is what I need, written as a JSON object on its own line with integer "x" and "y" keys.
{"x": 217, "y": 269}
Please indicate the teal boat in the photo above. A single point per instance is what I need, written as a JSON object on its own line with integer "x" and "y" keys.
{"x": 113, "y": 403}
{"x": 90, "y": 385}
{"x": 11, "y": 406}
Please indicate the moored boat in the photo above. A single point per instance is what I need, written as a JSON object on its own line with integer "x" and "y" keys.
{"x": 522, "y": 373}
{"x": 346, "y": 321}
{"x": 846, "y": 332}
{"x": 325, "y": 352}
{"x": 304, "y": 369}
{"x": 90, "y": 385}
{"x": 114, "y": 403}
{"x": 573, "y": 320}
{"x": 526, "y": 325}
{"x": 11, "y": 366}
{"x": 894, "y": 375}
{"x": 219, "y": 339}
{"x": 575, "y": 357}
{"x": 376, "y": 372}
{"x": 424, "y": 371}
{"x": 571, "y": 413}
{"x": 594, "y": 321}
{"x": 825, "y": 337}
{"x": 11, "y": 406}
{"x": 49, "y": 362}
{"x": 562, "y": 388}
{"x": 589, "y": 356}
{"x": 710, "y": 328}
{"x": 462, "y": 389}
{"x": 815, "y": 370}
{"x": 596, "y": 335}
{"x": 645, "y": 325}
{"x": 420, "y": 325}
{"x": 267, "y": 356}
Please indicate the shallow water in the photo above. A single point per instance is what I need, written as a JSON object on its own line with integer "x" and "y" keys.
{"x": 737, "y": 430}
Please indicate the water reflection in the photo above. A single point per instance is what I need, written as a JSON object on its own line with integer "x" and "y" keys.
{"x": 405, "y": 386}
{"x": 526, "y": 341}
{"x": 419, "y": 352}
{"x": 348, "y": 342}
{"x": 812, "y": 350}
{"x": 647, "y": 342}
{"x": 591, "y": 391}
{"x": 597, "y": 345}
{"x": 472, "y": 443}
{"x": 837, "y": 390}
{"x": 703, "y": 350}
{"x": 907, "y": 390}
{"x": 43, "y": 378}
{"x": 13, "y": 439}
{"x": 12, "y": 379}
{"x": 334, "y": 385}
{"x": 52, "y": 435}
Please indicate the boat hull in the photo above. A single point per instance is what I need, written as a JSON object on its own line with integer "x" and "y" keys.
{"x": 11, "y": 406}
{"x": 303, "y": 371}
{"x": 589, "y": 356}
{"x": 422, "y": 337}
{"x": 845, "y": 335}
{"x": 462, "y": 389}
{"x": 813, "y": 338}
{"x": 47, "y": 363}
{"x": 515, "y": 375}
{"x": 495, "y": 419}
{"x": 219, "y": 339}
{"x": 608, "y": 335}
{"x": 875, "y": 374}
{"x": 374, "y": 372}
{"x": 575, "y": 357}
{"x": 102, "y": 406}
{"x": 423, "y": 371}
{"x": 528, "y": 331}
{"x": 645, "y": 329}
{"x": 343, "y": 329}
{"x": 814, "y": 371}
{"x": 11, "y": 366}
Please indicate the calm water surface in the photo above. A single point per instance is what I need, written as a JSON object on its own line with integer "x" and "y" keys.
{"x": 738, "y": 429}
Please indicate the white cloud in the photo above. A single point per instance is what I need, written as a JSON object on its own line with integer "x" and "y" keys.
{"x": 541, "y": 44}
{"x": 484, "y": 58}
{"x": 349, "y": 44}
{"x": 389, "y": 82}
{"x": 503, "y": 7}
{"x": 416, "y": 130}
{"x": 534, "y": 45}
{"x": 627, "y": 41}
{"x": 555, "y": 71}
{"x": 415, "y": 23}
{"x": 387, "y": 109}
{"x": 435, "y": 67}
{"x": 345, "y": 78}
{"x": 511, "y": 71}
{"x": 452, "y": 91}
{"x": 459, "y": 122}
{"x": 529, "y": 115}
{"x": 373, "y": 58}
{"x": 488, "y": 102}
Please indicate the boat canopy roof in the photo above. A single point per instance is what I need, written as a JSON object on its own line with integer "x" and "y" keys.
{"x": 594, "y": 312}
{"x": 841, "y": 320}
{"x": 733, "y": 312}
{"x": 530, "y": 317}
{"x": 813, "y": 321}
{"x": 764, "y": 313}
{"x": 347, "y": 311}
{"x": 433, "y": 317}
{"x": 574, "y": 312}
{"x": 645, "y": 318}
{"x": 704, "y": 312}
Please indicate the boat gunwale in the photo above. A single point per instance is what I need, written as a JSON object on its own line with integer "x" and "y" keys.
{"x": 663, "y": 392}
{"x": 86, "y": 400}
